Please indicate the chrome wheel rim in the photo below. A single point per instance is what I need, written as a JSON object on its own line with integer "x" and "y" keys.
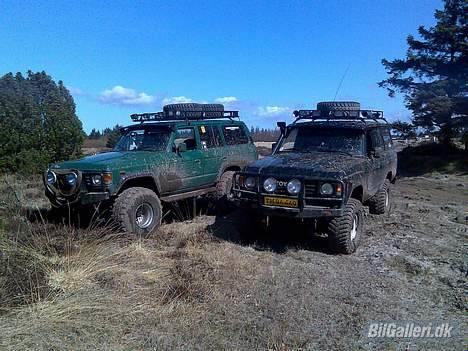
{"x": 354, "y": 228}
{"x": 386, "y": 199}
{"x": 144, "y": 215}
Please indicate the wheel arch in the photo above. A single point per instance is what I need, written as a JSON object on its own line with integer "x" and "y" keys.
{"x": 142, "y": 181}
{"x": 357, "y": 193}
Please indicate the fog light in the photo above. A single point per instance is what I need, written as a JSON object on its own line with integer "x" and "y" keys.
{"x": 294, "y": 186}
{"x": 250, "y": 182}
{"x": 270, "y": 185}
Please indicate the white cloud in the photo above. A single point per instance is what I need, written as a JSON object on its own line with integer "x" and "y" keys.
{"x": 226, "y": 100}
{"x": 176, "y": 100}
{"x": 75, "y": 91}
{"x": 268, "y": 111}
{"x": 120, "y": 95}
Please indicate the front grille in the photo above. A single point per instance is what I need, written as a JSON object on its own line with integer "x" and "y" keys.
{"x": 310, "y": 189}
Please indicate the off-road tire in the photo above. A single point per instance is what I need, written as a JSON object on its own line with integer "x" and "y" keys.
{"x": 339, "y": 106}
{"x": 224, "y": 191}
{"x": 126, "y": 205}
{"x": 380, "y": 202}
{"x": 340, "y": 228}
{"x": 193, "y": 107}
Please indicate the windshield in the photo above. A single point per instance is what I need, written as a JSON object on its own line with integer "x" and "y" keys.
{"x": 305, "y": 139}
{"x": 154, "y": 139}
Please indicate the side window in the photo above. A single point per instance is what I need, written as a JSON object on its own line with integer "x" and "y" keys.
{"x": 234, "y": 135}
{"x": 209, "y": 137}
{"x": 387, "y": 138}
{"x": 374, "y": 139}
{"x": 186, "y": 135}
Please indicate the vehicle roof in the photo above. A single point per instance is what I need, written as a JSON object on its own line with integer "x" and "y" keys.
{"x": 339, "y": 124}
{"x": 201, "y": 122}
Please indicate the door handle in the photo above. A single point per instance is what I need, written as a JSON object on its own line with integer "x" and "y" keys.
{"x": 197, "y": 161}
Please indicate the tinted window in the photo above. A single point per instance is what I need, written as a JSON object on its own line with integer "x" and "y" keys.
{"x": 324, "y": 140}
{"x": 235, "y": 135}
{"x": 186, "y": 135}
{"x": 375, "y": 138}
{"x": 209, "y": 137}
{"x": 144, "y": 140}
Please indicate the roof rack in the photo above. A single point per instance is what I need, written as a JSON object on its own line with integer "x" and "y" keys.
{"x": 182, "y": 115}
{"x": 359, "y": 115}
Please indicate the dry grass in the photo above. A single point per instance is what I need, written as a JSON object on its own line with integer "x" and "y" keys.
{"x": 64, "y": 288}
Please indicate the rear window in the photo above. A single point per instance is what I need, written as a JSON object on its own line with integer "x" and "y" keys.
{"x": 209, "y": 136}
{"x": 234, "y": 135}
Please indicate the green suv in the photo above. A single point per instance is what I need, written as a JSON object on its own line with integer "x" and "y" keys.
{"x": 186, "y": 150}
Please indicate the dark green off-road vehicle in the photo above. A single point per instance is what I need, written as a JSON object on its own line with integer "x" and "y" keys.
{"x": 325, "y": 166}
{"x": 187, "y": 150}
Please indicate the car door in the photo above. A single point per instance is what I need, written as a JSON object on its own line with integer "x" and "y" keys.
{"x": 212, "y": 151}
{"x": 377, "y": 160}
{"x": 185, "y": 166}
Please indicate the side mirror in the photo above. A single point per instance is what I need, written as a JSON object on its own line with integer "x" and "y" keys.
{"x": 282, "y": 127}
{"x": 182, "y": 147}
{"x": 273, "y": 147}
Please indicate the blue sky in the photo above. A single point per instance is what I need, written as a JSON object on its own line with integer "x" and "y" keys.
{"x": 265, "y": 58}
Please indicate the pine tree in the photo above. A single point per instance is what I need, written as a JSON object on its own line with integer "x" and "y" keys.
{"x": 433, "y": 76}
{"x": 38, "y": 123}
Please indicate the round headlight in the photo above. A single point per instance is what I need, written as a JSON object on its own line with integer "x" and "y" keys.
{"x": 294, "y": 186}
{"x": 51, "y": 178}
{"x": 250, "y": 182}
{"x": 326, "y": 189}
{"x": 71, "y": 178}
{"x": 269, "y": 185}
{"x": 96, "y": 179}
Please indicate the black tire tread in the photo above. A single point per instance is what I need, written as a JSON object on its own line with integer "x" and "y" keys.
{"x": 193, "y": 107}
{"x": 224, "y": 182}
{"x": 377, "y": 202}
{"x": 339, "y": 228}
{"x": 338, "y": 106}
{"x": 125, "y": 201}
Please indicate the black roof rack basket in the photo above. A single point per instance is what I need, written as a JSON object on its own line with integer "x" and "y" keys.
{"x": 351, "y": 115}
{"x": 182, "y": 115}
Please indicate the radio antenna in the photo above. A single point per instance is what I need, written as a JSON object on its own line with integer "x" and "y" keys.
{"x": 341, "y": 81}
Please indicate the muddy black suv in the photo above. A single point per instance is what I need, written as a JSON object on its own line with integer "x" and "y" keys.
{"x": 324, "y": 167}
{"x": 184, "y": 151}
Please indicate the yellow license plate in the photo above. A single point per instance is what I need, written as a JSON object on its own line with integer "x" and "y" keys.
{"x": 280, "y": 201}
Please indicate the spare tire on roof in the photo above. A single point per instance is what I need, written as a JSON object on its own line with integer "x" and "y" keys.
{"x": 338, "y": 106}
{"x": 193, "y": 107}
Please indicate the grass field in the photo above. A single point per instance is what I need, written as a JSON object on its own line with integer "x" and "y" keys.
{"x": 194, "y": 285}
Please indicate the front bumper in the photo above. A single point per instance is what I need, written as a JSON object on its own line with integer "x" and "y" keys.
{"x": 300, "y": 212}
{"x": 78, "y": 195}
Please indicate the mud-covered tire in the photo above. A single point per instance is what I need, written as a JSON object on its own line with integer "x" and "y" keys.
{"x": 339, "y": 106}
{"x": 224, "y": 191}
{"x": 133, "y": 208}
{"x": 380, "y": 202}
{"x": 193, "y": 107}
{"x": 345, "y": 232}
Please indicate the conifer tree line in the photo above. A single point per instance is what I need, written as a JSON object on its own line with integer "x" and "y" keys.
{"x": 38, "y": 123}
